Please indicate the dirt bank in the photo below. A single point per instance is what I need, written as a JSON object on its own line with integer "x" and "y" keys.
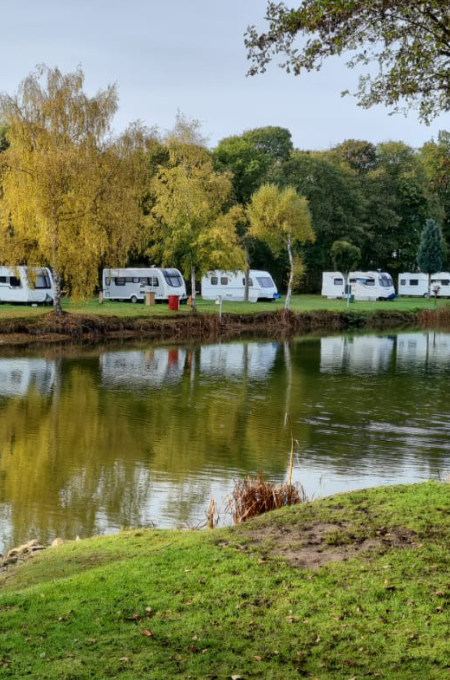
{"x": 51, "y": 328}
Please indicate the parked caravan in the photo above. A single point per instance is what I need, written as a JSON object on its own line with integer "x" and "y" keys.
{"x": 364, "y": 285}
{"x": 414, "y": 284}
{"x": 132, "y": 284}
{"x": 230, "y": 285}
{"x": 440, "y": 284}
{"x": 29, "y": 285}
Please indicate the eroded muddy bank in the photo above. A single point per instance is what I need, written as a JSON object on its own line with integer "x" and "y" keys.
{"x": 182, "y": 327}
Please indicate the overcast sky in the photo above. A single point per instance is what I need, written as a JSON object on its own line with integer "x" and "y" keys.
{"x": 190, "y": 56}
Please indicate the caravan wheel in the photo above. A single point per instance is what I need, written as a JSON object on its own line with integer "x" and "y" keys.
{"x": 133, "y": 299}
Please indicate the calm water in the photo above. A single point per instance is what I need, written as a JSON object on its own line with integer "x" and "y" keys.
{"x": 95, "y": 439}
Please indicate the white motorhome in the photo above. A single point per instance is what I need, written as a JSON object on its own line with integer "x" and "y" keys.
{"x": 364, "y": 285}
{"x": 29, "y": 285}
{"x": 413, "y": 284}
{"x": 230, "y": 285}
{"x": 132, "y": 284}
{"x": 440, "y": 284}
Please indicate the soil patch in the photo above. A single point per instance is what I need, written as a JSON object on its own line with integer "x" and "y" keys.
{"x": 311, "y": 546}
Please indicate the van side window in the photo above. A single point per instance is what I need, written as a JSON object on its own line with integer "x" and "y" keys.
{"x": 214, "y": 280}
{"x": 120, "y": 281}
{"x": 224, "y": 280}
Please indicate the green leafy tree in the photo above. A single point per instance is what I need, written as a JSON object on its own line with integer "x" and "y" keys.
{"x": 435, "y": 156}
{"x": 345, "y": 257}
{"x": 431, "y": 253}
{"x": 281, "y": 218}
{"x": 71, "y": 196}
{"x": 191, "y": 221}
{"x": 336, "y": 203}
{"x": 409, "y": 41}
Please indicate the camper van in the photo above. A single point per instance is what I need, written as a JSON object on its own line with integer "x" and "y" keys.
{"x": 29, "y": 285}
{"x": 132, "y": 284}
{"x": 415, "y": 284}
{"x": 364, "y": 285}
{"x": 230, "y": 285}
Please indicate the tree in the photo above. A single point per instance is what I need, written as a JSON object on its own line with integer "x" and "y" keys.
{"x": 431, "y": 253}
{"x": 191, "y": 221}
{"x": 70, "y": 195}
{"x": 435, "y": 156}
{"x": 408, "y": 40}
{"x": 3, "y": 138}
{"x": 281, "y": 218}
{"x": 345, "y": 257}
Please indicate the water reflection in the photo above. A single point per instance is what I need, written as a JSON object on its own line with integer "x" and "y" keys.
{"x": 91, "y": 443}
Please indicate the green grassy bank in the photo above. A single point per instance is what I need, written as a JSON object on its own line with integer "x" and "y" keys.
{"x": 356, "y": 586}
{"x": 90, "y": 320}
{"x": 299, "y": 303}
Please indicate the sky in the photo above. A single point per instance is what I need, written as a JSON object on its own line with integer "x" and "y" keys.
{"x": 189, "y": 56}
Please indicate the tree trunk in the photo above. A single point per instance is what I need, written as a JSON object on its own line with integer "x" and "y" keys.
{"x": 291, "y": 275}
{"x": 247, "y": 275}
{"x": 193, "y": 286}
{"x": 57, "y": 308}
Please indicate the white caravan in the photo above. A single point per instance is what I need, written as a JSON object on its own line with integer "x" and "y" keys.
{"x": 30, "y": 285}
{"x": 440, "y": 284}
{"x": 132, "y": 284}
{"x": 414, "y": 284}
{"x": 230, "y": 285}
{"x": 364, "y": 285}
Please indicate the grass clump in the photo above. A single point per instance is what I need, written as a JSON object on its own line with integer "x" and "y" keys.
{"x": 252, "y": 497}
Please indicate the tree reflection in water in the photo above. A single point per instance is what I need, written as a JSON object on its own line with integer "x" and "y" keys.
{"x": 93, "y": 442}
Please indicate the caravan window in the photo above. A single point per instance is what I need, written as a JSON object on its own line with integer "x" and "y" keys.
{"x": 2, "y": 279}
{"x": 172, "y": 277}
{"x": 42, "y": 281}
{"x": 265, "y": 281}
{"x": 107, "y": 281}
{"x": 445, "y": 282}
{"x": 214, "y": 280}
{"x": 119, "y": 281}
{"x": 135, "y": 279}
{"x": 14, "y": 282}
{"x": 224, "y": 280}
{"x": 413, "y": 282}
{"x": 250, "y": 281}
{"x": 403, "y": 282}
{"x": 339, "y": 282}
{"x": 370, "y": 282}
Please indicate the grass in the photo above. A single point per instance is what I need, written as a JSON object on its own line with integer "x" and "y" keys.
{"x": 299, "y": 303}
{"x": 153, "y": 604}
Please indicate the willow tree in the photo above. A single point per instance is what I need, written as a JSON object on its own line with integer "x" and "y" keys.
{"x": 191, "y": 222}
{"x": 70, "y": 192}
{"x": 281, "y": 218}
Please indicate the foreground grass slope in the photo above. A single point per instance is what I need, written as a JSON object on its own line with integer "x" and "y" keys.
{"x": 245, "y": 602}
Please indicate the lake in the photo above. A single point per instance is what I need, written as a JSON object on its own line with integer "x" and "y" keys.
{"x": 93, "y": 439}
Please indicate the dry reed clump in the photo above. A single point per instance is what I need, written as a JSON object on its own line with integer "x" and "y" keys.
{"x": 435, "y": 318}
{"x": 251, "y": 497}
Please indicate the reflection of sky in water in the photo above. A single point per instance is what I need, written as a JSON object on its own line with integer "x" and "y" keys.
{"x": 132, "y": 436}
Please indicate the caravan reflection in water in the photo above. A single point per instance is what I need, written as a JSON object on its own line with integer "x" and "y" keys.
{"x": 359, "y": 354}
{"x": 149, "y": 368}
{"x": 236, "y": 360}
{"x": 19, "y": 376}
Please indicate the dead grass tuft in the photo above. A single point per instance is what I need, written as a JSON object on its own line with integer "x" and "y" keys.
{"x": 251, "y": 497}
